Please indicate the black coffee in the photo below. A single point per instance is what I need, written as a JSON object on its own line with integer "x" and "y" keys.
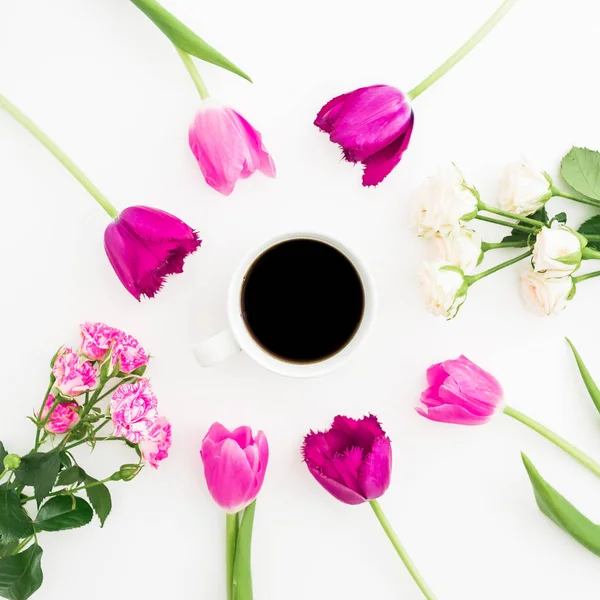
{"x": 302, "y": 300}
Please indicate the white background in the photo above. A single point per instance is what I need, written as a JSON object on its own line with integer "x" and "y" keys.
{"x": 110, "y": 89}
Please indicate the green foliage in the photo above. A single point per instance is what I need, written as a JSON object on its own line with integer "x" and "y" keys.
{"x": 40, "y": 470}
{"x": 3, "y": 453}
{"x": 15, "y": 523}
{"x": 21, "y": 575}
{"x": 63, "y": 512}
{"x": 557, "y": 508}
{"x": 590, "y": 384}
{"x": 591, "y": 227}
{"x": 99, "y": 497}
{"x": 6, "y": 547}
{"x": 521, "y": 236}
{"x": 184, "y": 38}
{"x": 242, "y": 568}
{"x": 71, "y": 475}
{"x": 580, "y": 168}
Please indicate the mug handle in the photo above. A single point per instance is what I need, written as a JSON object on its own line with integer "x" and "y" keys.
{"x": 217, "y": 348}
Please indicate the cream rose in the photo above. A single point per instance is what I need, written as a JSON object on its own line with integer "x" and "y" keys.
{"x": 546, "y": 295}
{"x": 523, "y": 189}
{"x": 461, "y": 248}
{"x": 557, "y": 251}
{"x": 443, "y": 288}
{"x": 442, "y": 203}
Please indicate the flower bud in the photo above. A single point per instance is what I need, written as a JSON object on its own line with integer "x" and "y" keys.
{"x": 11, "y": 462}
{"x": 558, "y": 251}
{"x": 129, "y": 472}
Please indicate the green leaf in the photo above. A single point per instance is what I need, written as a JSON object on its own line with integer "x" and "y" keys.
{"x": 184, "y": 38}
{"x": 580, "y": 168}
{"x": 40, "y": 470}
{"x": 21, "y": 575}
{"x": 521, "y": 236}
{"x": 591, "y": 227}
{"x": 63, "y": 512}
{"x": 15, "y": 523}
{"x": 590, "y": 384}
{"x": 65, "y": 460}
{"x": 242, "y": 571}
{"x": 3, "y": 453}
{"x": 560, "y": 217}
{"x": 99, "y": 496}
{"x": 7, "y": 548}
{"x": 71, "y": 475}
{"x": 557, "y": 508}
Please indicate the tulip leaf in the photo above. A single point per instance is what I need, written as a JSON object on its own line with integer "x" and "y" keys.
{"x": 522, "y": 236}
{"x": 242, "y": 568}
{"x": 184, "y": 38}
{"x": 99, "y": 498}
{"x": 14, "y": 521}
{"x": 591, "y": 227}
{"x": 580, "y": 168}
{"x": 557, "y": 508}
{"x": 40, "y": 470}
{"x": 63, "y": 512}
{"x": 21, "y": 575}
{"x": 590, "y": 384}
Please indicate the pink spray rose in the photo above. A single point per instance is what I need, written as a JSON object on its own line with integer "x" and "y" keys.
{"x": 155, "y": 448}
{"x": 63, "y": 418}
{"x": 144, "y": 245}
{"x": 235, "y": 463}
{"x": 74, "y": 374}
{"x": 372, "y": 125}
{"x": 460, "y": 392}
{"x": 97, "y": 339}
{"x": 227, "y": 147}
{"x": 133, "y": 408}
{"x": 352, "y": 460}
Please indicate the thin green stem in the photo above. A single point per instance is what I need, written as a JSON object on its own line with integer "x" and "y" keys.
{"x": 121, "y": 382}
{"x": 408, "y": 563}
{"x": 504, "y": 213}
{"x": 41, "y": 137}
{"x": 581, "y": 278}
{"x": 194, "y": 73}
{"x": 40, "y": 426}
{"x": 556, "y": 192}
{"x": 590, "y": 254}
{"x": 4, "y": 473}
{"x": 231, "y": 533}
{"x": 471, "y": 279}
{"x": 485, "y": 246}
{"x": 100, "y": 439}
{"x": 479, "y": 35}
{"x": 22, "y": 545}
{"x": 505, "y": 224}
{"x": 587, "y": 461}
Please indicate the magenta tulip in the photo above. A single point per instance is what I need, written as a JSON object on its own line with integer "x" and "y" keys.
{"x": 352, "y": 460}
{"x": 372, "y": 125}
{"x": 460, "y": 392}
{"x": 227, "y": 147}
{"x": 235, "y": 463}
{"x": 144, "y": 245}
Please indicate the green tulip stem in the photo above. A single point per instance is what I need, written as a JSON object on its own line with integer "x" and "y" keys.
{"x": 41, "y": 137}
{"x": 587, "y": 461}
{"x": 231, "y": 533}
{"x": 505, "y": 224}
{"x": 408, "y": 563}
{"x": 477, "y": 37}
{"x": 194, "y": 73}
{"x": 471, "y": 279}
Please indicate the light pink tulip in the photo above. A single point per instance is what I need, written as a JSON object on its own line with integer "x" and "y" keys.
{"x": 63, "y": 418}
{"x": 74, "y": 374}
{"x": 227, "y": 147}
{"x": 235, "y": 463}
{"x": 460, "y": 392}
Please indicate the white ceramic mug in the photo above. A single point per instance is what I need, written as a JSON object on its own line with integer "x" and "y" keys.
{"x": 237, "y": 338}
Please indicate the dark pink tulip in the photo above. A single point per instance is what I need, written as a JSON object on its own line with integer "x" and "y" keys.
{"x": 460, "y": 392}
{"x": 144, "y": 245}
{"x": 227, "y": 147}
{"x": 352, "y": 460}
{"x": 372, "y": 125}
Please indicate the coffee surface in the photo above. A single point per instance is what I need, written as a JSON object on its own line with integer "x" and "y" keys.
{"x": 302, "y": 300}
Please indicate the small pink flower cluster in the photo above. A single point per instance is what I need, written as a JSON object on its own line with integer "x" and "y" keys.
{"x": 63, "y": 418}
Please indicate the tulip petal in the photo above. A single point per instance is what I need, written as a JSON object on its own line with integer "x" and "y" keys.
{"x": 380, "y": 165}
{"x": 327, "y": 116}
{"x": 473, "y": 381}
{"x": 259, "y": 159}
{"x": 361, "y": 433}
{"x": 452, "y": 414}
{"x": 436, "y": 375}
{"x": 451, "y": 394}
{"x": 376, "y": 471}
{"x": 337, "y": 490}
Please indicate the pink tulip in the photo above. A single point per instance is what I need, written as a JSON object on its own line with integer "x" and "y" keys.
{"x": 63, "y": 418}
{"x": 235, "y": 463}
{"x": 372, "y": 125}
{"x": 144, "y": 245}
{"x": 460, "y": 392}
{"x": 227, "y": 147}
{"x": 352, "y": 460}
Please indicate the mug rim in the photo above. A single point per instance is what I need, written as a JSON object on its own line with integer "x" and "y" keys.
{"x": 278, "y": 365}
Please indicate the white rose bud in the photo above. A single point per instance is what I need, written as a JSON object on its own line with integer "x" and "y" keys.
{"x": 545, "y": 295}
{"x": 524, "y": 189}
{"x": 442, "y": 202}
{"x": 444, "y": 288}
{"x": 461, "y": 248}
{"x": 557, "y": 251}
